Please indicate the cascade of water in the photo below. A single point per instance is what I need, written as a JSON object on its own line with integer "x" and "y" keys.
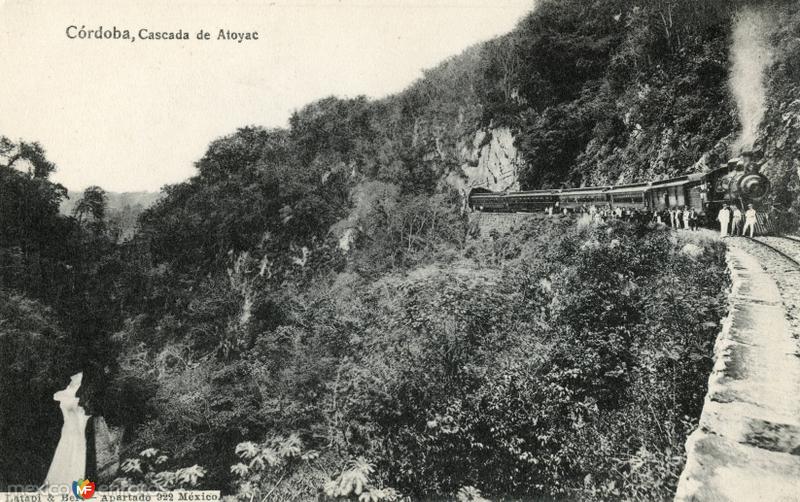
{"x": 69, "y": 461}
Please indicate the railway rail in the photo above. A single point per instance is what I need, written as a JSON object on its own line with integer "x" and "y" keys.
{"x": 786, "y": 246}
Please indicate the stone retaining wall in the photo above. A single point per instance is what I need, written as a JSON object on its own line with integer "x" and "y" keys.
{"x": 747, "y": 446}
{"x": 503, "y": 223}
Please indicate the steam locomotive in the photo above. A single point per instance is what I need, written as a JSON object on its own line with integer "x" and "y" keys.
{"x": 738, "y": 182}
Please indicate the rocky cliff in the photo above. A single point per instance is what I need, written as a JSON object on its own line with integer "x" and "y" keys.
{"x": 779, "y": 134}
{"x": 491, "y": 160}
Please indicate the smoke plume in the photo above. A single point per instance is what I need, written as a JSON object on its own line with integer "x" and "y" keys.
{"x": 750, "y": 55}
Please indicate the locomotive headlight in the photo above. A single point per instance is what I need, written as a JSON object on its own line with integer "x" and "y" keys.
{"x": 754, "y": 186}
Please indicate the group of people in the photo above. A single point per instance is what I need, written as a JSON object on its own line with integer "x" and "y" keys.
{"x": 730, "y": 221}
{"x": 603, "y": 213}
{"x": 598, "y": 214}
{"x": 678, "y": 217}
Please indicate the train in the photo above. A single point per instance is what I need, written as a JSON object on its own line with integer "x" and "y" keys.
{"x": 736, "y": 182}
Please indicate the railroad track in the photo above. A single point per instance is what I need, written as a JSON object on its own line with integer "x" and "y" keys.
{"x": 786, "y": 246}
{"x": 780, "y": 258}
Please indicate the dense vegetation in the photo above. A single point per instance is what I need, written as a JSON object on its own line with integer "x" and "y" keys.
{"x": 562, "y": 360}
{"x": 311, "y": 313}
{"x": 421, "y": 353}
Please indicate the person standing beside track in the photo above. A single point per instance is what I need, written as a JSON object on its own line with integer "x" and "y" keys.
{"x": 723, "y": 218}
{"x": 693, "y": 219}
{"x": 750, "y": 220}
{"x": 736, "y": 222}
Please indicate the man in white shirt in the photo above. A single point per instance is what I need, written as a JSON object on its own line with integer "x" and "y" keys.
{"x": 750, "y": 220}
{"x": 724, "y": 217}
{"x": 736, "y": 223}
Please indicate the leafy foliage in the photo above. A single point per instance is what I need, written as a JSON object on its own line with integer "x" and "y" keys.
{"x": 274, "y": 470}
{"x": 147, "y": 471}
{"x": 574, "y": 366}
{"x": 354, "y": 484}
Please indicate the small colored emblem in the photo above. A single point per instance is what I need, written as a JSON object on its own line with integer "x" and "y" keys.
{"x": 83, "y": 489}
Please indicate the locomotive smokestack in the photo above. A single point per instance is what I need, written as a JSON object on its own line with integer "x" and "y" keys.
{"x": 747, "y": 161}
{"x": 753, "y": 159}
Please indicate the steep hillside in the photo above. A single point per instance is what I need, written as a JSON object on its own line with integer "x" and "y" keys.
{"x": 608, "y": 92}
{"x": 591, "y": 92}
{"x": 579, "y": 93}
{"x": 779, "y": 135}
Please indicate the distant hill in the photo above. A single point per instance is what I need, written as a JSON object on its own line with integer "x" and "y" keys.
{"x": 116, "y": 200}
{"x": 123, "y": 208}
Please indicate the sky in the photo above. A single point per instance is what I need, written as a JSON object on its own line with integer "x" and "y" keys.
{"x": 132, "y": 116}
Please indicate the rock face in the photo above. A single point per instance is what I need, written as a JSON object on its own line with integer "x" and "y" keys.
{"x": 108, "y": 442}
{"x": 491, "y": 160}
{"x": 747, "y": 445}
{"x": 780, "y": 141}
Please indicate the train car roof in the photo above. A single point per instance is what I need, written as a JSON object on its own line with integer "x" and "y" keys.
{"x": 481, "y": 191}
{"x": 598, "y": 188}
{"x": 680, "y": 180}
{"x": 528, "y": 193}
{"x": 584, "y": 191}
{"x": 629, "y": 188}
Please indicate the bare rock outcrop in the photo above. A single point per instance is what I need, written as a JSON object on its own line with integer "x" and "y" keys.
{"x": 108, "y": 445}
{"x": 491, "y": 160}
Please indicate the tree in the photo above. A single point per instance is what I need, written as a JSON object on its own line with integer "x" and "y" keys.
{"x": 93, "y": 203}
{"x": 29, "y": 157}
